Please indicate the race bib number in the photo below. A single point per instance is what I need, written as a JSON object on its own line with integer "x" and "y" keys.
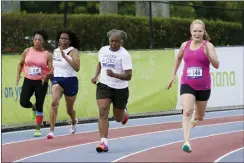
{"x": 108, "y": 62}
{"x": 57, "y": 56}
{"x": 34, "y": 70}
{"x": 194, "y": 72}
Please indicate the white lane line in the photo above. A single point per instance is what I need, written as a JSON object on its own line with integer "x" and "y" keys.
{"x": 171, "y": 144}
{"x": 109, "y": 129}
{"x": 120, "y": 138}
{"x": 138, "y": 119}
{"x": 85, "y": 124}
{"x": 227, "y": 154}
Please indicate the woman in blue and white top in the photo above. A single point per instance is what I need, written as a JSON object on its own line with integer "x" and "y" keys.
{"x": 66, "y": 62}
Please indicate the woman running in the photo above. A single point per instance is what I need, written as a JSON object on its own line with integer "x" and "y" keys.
{"x": 36, "y": 64}
{"x": 195, "y": 90}
{"x": 66, "y": 62}
{"x": 115, "y": 70}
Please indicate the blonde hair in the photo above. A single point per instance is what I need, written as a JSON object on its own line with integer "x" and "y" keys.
{"x": 198, "y": 21}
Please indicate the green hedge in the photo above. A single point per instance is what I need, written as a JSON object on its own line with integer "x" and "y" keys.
{"x": 92, "y": 29}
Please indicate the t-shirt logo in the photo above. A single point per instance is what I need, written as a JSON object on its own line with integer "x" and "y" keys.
{"x": 108, "y": 62}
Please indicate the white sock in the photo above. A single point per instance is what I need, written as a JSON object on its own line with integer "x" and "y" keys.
{"x": 51, "y": 133}
{"x": 193, "y": 116}
{"x": 125, "y": 112}
{"x": 104, "y": 140}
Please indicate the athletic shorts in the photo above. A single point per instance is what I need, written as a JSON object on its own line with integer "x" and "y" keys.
{"x": 119, "y": 96}
{"x": 200, "y": 95}
{"x": 69, "y": 84}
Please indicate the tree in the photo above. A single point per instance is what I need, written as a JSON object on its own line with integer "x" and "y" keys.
{"x": 126, "y": 7}
{"x": 108, "y": 7}
{"x": 140, "y": 8}
{"x": 182, "y": 11}
{"x": 221, "y": 13}
{"x": 10, "y": 6}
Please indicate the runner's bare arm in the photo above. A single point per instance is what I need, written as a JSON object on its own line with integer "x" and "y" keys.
{"x": 75, "y": 62}
{"x": 212, "y": 56}
{"x": 22, "y": 62}
{"x": 50, "y": 65}
{"x": 126, "y": 76}
{"x": 98, "y": 70}
{"x": 178, "y": 59}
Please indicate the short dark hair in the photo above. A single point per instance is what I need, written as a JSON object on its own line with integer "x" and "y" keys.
{"x": 43, "y": 33}
{"x": 75, "y": 42}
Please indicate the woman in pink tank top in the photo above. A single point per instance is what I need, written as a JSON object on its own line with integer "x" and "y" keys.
{"x": 36, "y": 63}
{"x": 197, "y": 53}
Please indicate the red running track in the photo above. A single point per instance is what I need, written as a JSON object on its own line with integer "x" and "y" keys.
{"x": 205, "y": 149}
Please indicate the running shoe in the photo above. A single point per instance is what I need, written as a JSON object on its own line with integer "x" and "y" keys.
{"x": 37, "y": 133}
{"x": 33, "y": 112}
{"x": 193, "y": 120}
{"x": 73, "y": 127}
{"x": 186, "y": 147}
{"x": 102, "y": 148}
{"x": 126, "y": 118}
{"x": 50, "y": 135}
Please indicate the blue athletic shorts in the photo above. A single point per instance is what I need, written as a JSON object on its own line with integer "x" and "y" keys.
{"x": 69, "y": 84}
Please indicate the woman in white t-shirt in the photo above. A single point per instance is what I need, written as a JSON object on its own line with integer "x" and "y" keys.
{"x": 115, "y": 70}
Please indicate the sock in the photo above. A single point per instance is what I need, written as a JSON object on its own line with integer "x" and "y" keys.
{"x": 39, "y": 117}
{"x": 51, "y": 133}
{"x": 125, "y": 114}
{"x": 104, "y": 140}
{"x": 39, "y": 113}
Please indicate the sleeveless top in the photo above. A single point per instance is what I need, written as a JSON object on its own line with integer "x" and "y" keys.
{"x": 61, "y": 67}
{"x": 196, "y": 68}
{"x": 35, "y": 66}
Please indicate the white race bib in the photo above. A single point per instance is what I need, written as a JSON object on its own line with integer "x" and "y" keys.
{"x": 33, "y": 70}
{"x": 108, "y": 62}
{"x": 57, "y": 55}
{"x": 194, "y": 72}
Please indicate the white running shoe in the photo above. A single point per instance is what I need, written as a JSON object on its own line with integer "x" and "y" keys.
{"x": 50, "y": 135}
{"x": 73, "y": 128}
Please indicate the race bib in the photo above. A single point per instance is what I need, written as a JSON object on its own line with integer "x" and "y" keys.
{"x": 34, "y": 70}
{"x": 57, "y": 56}
{"x": 108, "y": 62}
{"x": 194, "y": 72}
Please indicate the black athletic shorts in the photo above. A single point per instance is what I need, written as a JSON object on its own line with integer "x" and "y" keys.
{"x": 119, "y": 96}
{"x": 201, "y": 95}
